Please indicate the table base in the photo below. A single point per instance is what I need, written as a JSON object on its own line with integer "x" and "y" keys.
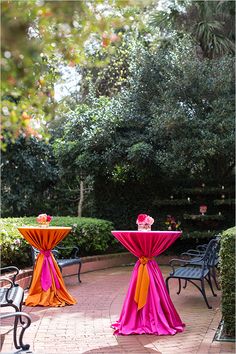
{"x": 158, "y": 316}
{"x": 52, "y": 297}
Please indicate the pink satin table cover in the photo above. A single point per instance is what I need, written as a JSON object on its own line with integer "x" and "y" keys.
{"x": 158, "y": 316}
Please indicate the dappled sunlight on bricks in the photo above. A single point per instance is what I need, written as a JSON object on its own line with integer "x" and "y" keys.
{"x": 85, "y": 327}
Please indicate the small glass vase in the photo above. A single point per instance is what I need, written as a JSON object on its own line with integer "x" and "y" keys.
{"x": 144, "y": 228}
{"x": 44, "y": 225}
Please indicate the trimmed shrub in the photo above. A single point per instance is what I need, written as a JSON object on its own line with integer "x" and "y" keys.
{"x": 92, "y": 236}
{"x": 227, "y": 273}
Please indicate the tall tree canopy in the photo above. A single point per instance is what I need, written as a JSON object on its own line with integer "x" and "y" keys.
{"x": 210, "y": 23}
{"x": 174, "y": 118}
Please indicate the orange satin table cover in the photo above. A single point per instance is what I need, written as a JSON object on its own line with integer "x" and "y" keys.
{"x": 46, "y": 239}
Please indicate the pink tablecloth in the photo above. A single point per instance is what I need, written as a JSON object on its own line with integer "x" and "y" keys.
{"x": 159, "y": 315}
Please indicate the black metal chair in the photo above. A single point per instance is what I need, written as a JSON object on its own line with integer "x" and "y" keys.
{"x": 194, "y": 256}
{"x": 63, "y": 262}
{"x": 18, "y": 315}
{"x": 192, "y": 272}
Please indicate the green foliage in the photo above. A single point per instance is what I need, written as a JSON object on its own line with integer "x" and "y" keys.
{"x": 14, "y": 248}
{"x": 199, "y": 235}
{"x": 92, "y": 236}
{"x": 227, "y": 273}
{"x": 210, "y": 24}
{"x": 172, "y": 125}
{"x": 38, "y": 38}
{"x": 203, "y": 217}
{"x": 29, "y": 174}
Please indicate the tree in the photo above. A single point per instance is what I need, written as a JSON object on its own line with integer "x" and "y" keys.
{"x": 186, "y": 107}
{"x": 29, "y": 176}
{"x": 38, "y": 38}
{"x": 210, "y": 23}
{"x": 173, "y": 123}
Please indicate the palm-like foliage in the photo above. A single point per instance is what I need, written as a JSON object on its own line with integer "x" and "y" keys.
{"x": 214, "y": 27}
{"x": 210, "y": 23}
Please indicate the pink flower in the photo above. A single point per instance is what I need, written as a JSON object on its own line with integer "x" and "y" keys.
{"x": 149, "y": 220}
{"x": 42, "y": 218}
{"x": 144, "y": 219}
{"x": 141, "y": 219}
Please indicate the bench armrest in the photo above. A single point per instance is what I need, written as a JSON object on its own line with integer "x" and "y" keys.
{"x": 8, "y": 280}
{"x": 13, "y": 268}
{"x": 24, "y": 314}
{"x": 177, "y": 261}
{"x": 201, "y": 248}
{"x": 191, "y": 253}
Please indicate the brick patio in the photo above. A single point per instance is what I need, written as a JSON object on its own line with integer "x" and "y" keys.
{"x": 85, "y": 327}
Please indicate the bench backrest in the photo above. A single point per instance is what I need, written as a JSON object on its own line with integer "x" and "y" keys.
{"x": 211, "y": 252}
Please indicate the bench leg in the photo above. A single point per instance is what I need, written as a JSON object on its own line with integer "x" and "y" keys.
{"x": 178, "y": 292}
{"x": 202, "y": 290}
{"x": 210, "y": 283}
{"x": 80, "y": 264}
{"x": 204, "y": 293}
{"x": 15, "y": 333}
{"x": 20, "y": 309}
{"x": 214, "y": 278}
{"x": 185, "y": 284}
{"x": 167, "y": 285}
{"x": 19, "y": 345}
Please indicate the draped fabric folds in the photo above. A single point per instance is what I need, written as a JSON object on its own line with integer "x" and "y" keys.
{"x": 155, "y": 313}
{"x": 47, "y": 287}
{"x": 142, "y": 284}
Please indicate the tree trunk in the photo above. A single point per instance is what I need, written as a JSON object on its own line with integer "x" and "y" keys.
{"x": 81, "y": 198}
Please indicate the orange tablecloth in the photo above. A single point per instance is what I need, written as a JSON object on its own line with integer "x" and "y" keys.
{"x": 45, "y": 239}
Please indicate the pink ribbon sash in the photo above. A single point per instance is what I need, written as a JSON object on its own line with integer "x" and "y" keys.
{"x": 46, "y": 276}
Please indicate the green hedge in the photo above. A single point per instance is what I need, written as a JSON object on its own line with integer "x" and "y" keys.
{"x": 227, "y": 272}
{"x": 93, "y": 236}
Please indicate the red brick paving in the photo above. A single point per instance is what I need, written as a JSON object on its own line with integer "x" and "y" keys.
{"x": 85, "y": 327}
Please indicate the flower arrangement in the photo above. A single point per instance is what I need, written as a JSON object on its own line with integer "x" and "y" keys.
{"x": 144, "y": 222}
{"x": 203, "y": 209}
{"x": 172, "y": 224}
{"x": 44, "y": 219}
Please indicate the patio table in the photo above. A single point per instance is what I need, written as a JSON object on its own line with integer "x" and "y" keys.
{"x": 147, "y": 308}
{"x": 47, "y": 286}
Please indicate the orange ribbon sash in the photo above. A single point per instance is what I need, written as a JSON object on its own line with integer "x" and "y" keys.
{"x": 142, "y": 284}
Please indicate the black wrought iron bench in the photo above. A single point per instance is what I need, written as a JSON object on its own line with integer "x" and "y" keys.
{"x": 12, "y": 295}
{"x": 72, "y": 259}
{"x": 192, "y": 272}
{"x": 195, "y": 257}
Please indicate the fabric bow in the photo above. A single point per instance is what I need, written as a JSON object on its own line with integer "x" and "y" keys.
{"x": 142, "y": 284}
{"x": 48, "y": 270}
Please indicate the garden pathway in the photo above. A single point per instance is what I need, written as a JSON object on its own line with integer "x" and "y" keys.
{"x": 85, "y": 327}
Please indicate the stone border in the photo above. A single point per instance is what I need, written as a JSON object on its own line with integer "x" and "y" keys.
{"x": 219, "y": 334}
{"x": 90, "y": 264}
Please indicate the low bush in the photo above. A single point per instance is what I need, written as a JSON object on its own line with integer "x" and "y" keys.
{"x": 227, "y": 274}
{"x": 92, "y": 236}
